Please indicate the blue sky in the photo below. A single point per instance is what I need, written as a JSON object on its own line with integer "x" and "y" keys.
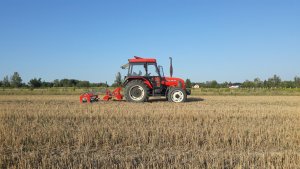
{"x": 208, "y": 39}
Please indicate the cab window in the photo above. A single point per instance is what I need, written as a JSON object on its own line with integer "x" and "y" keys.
{"x": 137, "y": 70}
{"x": 152, "y": 70}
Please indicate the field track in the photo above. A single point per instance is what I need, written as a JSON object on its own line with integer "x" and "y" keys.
{"x": 206, "y": 132}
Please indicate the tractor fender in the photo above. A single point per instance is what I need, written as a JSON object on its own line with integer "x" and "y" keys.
{"x": 146, "y": 81}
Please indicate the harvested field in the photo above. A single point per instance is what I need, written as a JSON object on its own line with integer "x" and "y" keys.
{"x": 208, "y": 132}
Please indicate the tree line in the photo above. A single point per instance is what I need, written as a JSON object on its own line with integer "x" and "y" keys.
{"x": 272, "y": 82}
{"x": 15, "y": 81}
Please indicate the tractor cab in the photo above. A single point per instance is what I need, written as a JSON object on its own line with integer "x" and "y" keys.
{"x": 146, "y": 68}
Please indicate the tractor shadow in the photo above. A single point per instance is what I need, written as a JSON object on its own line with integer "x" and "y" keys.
{"x": 195, "y": 99}
{"x": 189, "y": 99}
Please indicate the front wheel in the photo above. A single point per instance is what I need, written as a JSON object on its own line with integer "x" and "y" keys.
{"x": 177, "y": 95}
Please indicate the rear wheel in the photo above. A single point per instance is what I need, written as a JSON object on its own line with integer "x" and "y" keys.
{"x": 136, "y": 91}
{"x": 177, "y": 95}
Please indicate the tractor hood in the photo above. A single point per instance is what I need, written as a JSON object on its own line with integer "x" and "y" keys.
{"x": 173, "y": 81}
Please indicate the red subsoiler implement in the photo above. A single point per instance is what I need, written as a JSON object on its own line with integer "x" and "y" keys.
{"x": 93, "y": 97}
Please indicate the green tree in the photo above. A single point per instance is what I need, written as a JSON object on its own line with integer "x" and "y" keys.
{"x": 56, "y": 83}
{"x": 224, "y": 84}
{"x": 288, "y": 84}
{"x": 188, "y": 83}
{"x": 16, "y": 80}
{"x": 248, "y": 84}
{"x": 73, "y": 82}
{"x": 212, "y": 84}
{"x": 83, "y": 84}
{"x": 65, "y": 83}
{"x": 258, "y": 82}
{"x": 47, "y": 84}
{"x": 98, "y": 85}
{"x": 274, "y": 81}
{"x": 297, "y": 81}
{"x": 5, "y": 82}
{"x": 35, "y": 83}
{"x": 265, "y": 83}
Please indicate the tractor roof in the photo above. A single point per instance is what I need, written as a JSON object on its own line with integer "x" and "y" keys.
{"x": 137, "y": 59}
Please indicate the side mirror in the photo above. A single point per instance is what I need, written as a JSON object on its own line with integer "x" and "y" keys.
{"x": 125, "y": 66}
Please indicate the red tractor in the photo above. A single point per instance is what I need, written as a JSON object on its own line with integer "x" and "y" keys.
{"x": 145, "y": 78}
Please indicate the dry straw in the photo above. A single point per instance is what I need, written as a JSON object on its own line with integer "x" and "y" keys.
{"x": 217, "y": 132}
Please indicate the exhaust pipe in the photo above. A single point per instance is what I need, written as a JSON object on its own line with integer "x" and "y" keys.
{"x": 171, "y": 67}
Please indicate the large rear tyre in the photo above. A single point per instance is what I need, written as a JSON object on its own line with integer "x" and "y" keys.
{"x": 136, "y": 91}
{"x": 177, "y": 95}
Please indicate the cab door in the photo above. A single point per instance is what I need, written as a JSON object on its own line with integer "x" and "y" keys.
{"x": 153, "y": 75}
